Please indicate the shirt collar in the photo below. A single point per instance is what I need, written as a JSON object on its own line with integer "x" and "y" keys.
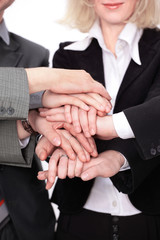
{"x": 4, "y": 33}
{"x": 131, "y": 34}
{"x": 132, "y": 39}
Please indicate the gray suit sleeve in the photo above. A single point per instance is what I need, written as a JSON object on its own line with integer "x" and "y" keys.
{"x": 14, "y": 94}
{"x": 36, "y": 100}
{"x": 14, "y": 105}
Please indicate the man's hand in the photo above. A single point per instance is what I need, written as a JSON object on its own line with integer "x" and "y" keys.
{"x": 63, "y": 81}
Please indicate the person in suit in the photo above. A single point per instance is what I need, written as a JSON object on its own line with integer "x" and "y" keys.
{"x": 112, "y": 199}
{"x": 26, "y": 212}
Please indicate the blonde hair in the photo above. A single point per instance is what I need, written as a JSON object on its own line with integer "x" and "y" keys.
{"x": 80, "y": 14}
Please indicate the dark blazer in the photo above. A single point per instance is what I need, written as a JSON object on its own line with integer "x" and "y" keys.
{"x": 25, "y": 196}
{"x": 139, "y": 98}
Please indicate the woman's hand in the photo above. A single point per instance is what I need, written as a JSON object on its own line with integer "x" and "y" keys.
{"x": 83, "y": 101}
{"x": 60, "y": 165}
{"x": 107, "y": 164}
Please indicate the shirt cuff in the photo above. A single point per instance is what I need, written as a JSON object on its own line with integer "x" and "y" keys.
{"x": 24, "y": 142}
{"x": 122, "y": 126}
{"x": 125, "y": 166}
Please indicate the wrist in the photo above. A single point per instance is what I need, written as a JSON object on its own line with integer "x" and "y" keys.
{"x": 32, "y": 119}
{"x": 36, "y": 79}
{"x": 105, "y": 128}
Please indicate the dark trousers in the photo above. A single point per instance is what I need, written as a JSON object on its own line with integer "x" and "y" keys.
{"x": 8, "y": 232}
{"x": 89, "y": 225}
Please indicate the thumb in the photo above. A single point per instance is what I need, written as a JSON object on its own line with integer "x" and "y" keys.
{"x": 90, "y": 173}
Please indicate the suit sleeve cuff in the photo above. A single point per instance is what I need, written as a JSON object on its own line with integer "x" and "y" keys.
{"x": 122, "y": 126}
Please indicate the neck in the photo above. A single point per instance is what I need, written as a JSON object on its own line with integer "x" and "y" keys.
{"x": 110, "y": 35}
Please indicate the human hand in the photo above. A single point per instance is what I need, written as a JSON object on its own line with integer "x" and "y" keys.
{"x": 83, "y": 101}
{"x": 58, "y": 114}
{"x": 107, "y": 164}
{"x": 61, "y": 166}
{"x": 65, "y": 140}
{"x": 63, "y": 81}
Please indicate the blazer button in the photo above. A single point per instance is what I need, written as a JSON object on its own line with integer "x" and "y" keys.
{"x": 153, "y": 151}
{"x": 10, "y": 111}
{"x": 115, "y": 236}
{"x": 2, "y": 110}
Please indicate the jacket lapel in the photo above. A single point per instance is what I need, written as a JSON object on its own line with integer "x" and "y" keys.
{"x": 91, "y": 61}
{"x": 134, "y": 70}
{"x": 9, "y": 54}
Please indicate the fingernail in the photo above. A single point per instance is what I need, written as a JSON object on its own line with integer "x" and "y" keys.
{"x": 102, "y": 108}
{"x": 56, "y": 141}
{"x": 77, "y": 174}
{"x": 92, "y": 132}
{"x": 78, "y": 129}
{"x": 86, "y": 108}
{"x": 108, "y": 109}
{"x": 84, "y": 176}
{"x": 87, "y": 134}
{"x": 83, "y": 157}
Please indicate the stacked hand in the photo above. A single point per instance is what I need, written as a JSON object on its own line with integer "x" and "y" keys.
{"x": 106, "y": 164}
{"x": 67, "y": 125}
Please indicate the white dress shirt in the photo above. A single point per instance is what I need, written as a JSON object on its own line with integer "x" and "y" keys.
{"x": 104, "y": 197}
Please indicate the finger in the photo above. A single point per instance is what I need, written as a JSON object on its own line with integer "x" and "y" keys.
{"x": 88, "y": 146}
{"x": 75, "y": 119}
{"x": 83, "y": 116}
{"x": 90, "y": 101}
{"x": 43, "y": 109}
{"x": 66, "y": 146}
{"x": 90, "y": 173}
{"x": 78, "y": 149}
{"x": 71, "y": 168}
{"x": 76, "y": 146}
{"x": 88, "y": 157}
{"x": 99, "y": 88}
{"x": 63, "y": 167}
{"x": 52, "y": 136}
{"x": 67, "y": 110}
{"x": 77, "y": 102}
{"x": 79, "y": 167}
{"x": 59, "y": 117}
{"x": 103, "y": 101}
{"x": 92, "y": 120}
{"x": 42, "y": 175}
{"x": 49, "y": 112}
{"x": 44, "y": 148}
{"x": 101, "y": 114}
{"x": 94, "y": 152}
{"x": 52, "y": 167}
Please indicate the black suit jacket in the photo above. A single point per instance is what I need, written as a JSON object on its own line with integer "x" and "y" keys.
{"x": 25, "y": 196}
{"x": 139, "y": 98}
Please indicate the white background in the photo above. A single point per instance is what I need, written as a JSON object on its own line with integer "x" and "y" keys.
{"x": 36, "y": 20}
